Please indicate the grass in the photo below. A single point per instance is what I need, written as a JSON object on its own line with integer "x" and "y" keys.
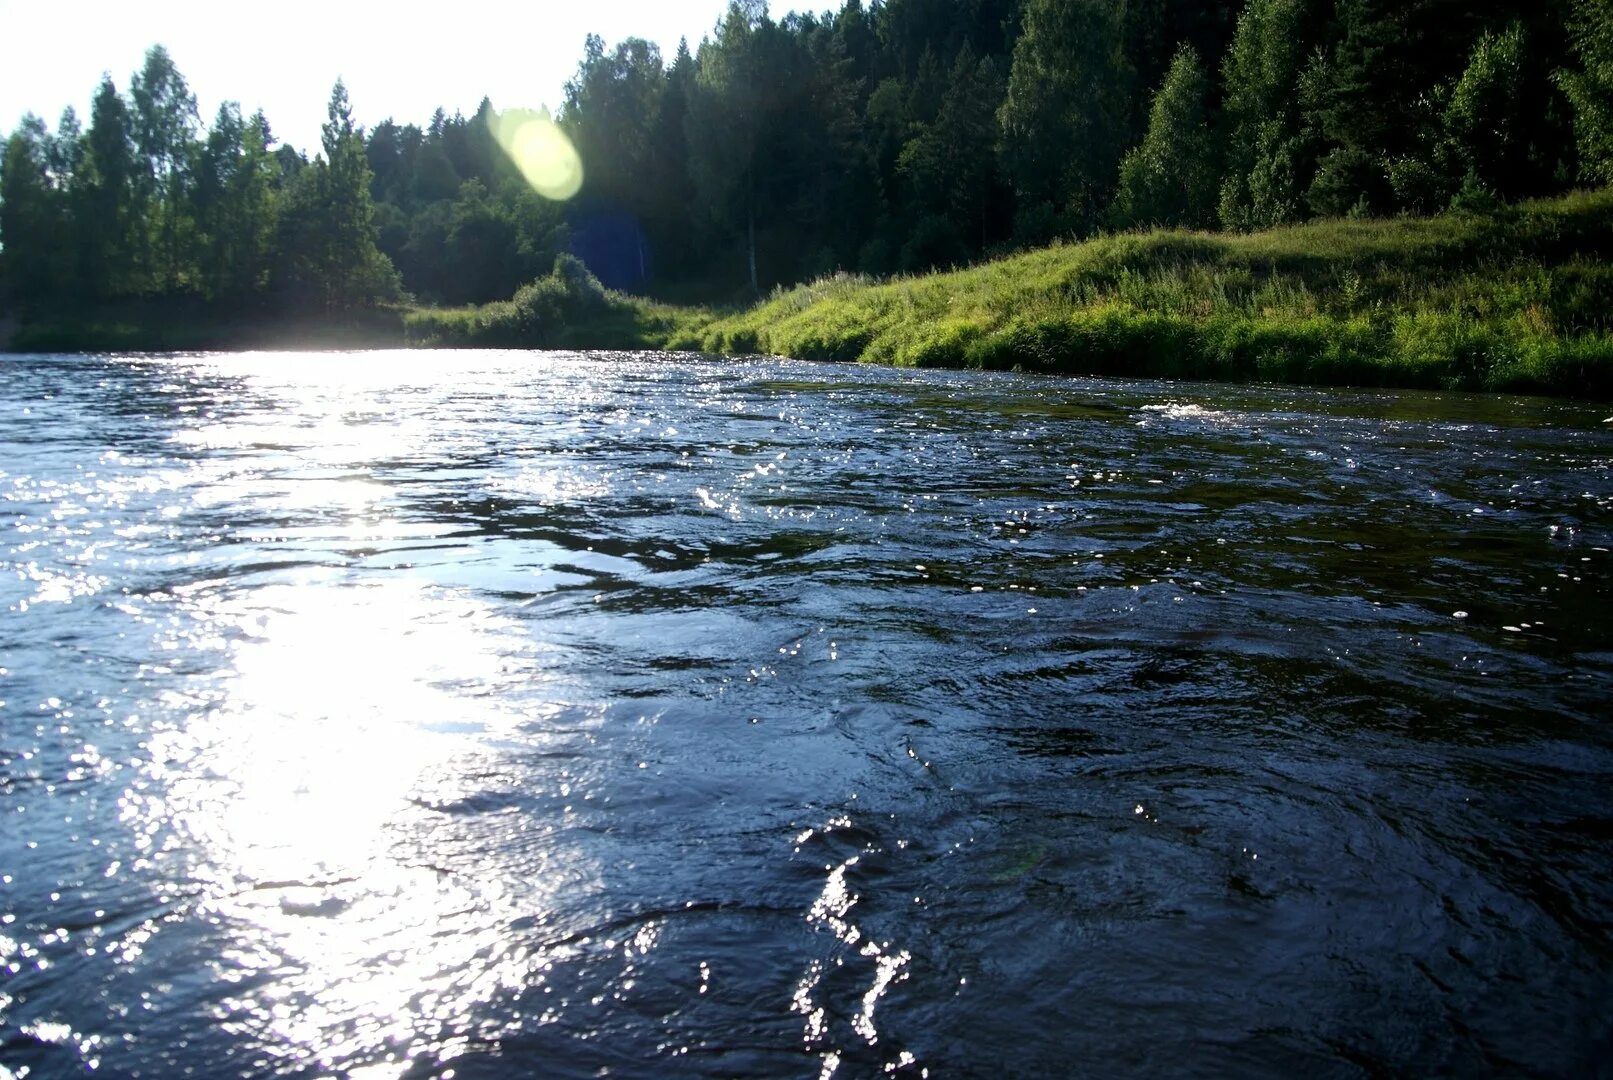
{"x": 1517, "y": 300}
{"x": 1521, "y": 300}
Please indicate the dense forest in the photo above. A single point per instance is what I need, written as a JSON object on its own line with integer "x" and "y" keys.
{"x": 883, "y": 138}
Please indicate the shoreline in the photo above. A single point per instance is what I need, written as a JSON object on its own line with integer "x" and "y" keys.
{"x": 1515, "y": 302}
{"x": 319, "y": 336}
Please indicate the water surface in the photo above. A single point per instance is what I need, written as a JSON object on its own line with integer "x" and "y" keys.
{"x": 507, "y": 714}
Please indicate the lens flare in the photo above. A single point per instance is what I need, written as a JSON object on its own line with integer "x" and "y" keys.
{"x": 542, "y": 152}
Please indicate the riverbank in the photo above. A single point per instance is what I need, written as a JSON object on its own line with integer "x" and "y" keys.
{"x": 192, "y": 326}
{"x": 1520, "y": 300}
{"x": 1517, "y": 300}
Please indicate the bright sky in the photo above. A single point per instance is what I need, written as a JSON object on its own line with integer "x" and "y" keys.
{"x": 398, "y": 59}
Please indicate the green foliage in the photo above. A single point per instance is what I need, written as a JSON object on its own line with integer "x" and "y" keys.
{"x": 1590, "y": 87}
{"x": 1171, "y": 177}
{"x": 1065, "y": 117}
{"x": 887, "y": 138}
{"x": 1267, "y": 163}
{"x": 164, "y": 128}
{"x": 949, "y": 164}
{"x": 234, "y": 206}
{"x": 327, "y": 229}
{"x": 1484, "y": 119}
{"x": 105, "y": 211}
{"x": 538, "y": 316}
{"x": 32, "y": 262}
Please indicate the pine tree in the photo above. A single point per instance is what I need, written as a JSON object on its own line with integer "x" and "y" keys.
{"x": 948, "y": 164}
{"x": 727, "y": 114}
{"x": 327, "y": 230}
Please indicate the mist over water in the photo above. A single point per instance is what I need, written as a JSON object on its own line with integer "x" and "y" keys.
{"x": 508, "y": 714}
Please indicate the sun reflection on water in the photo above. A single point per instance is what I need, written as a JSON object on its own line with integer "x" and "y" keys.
{"x": 341, "y": 700}
{"x": 291, "y": 780}
{"x": 335, "y": 705}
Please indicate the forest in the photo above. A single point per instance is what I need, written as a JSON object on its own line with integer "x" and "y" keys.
{"x": 881, "y": 139}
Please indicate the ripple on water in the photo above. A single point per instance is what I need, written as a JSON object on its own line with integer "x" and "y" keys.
{"x": 390, "y": 714}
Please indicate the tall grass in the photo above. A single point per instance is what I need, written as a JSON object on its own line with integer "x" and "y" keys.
{"x": 1520, "y": 301}
{"x": 1517, "y": 300}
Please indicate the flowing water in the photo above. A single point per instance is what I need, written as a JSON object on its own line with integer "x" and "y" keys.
{"x": 504, "y": 715}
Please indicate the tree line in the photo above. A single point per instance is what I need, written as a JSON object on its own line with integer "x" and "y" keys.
{"x": 880, "y": 138}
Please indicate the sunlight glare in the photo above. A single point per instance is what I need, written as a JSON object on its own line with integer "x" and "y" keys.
{"x": 543, "y": 153}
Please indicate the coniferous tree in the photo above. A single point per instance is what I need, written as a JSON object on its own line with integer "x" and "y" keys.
{"x": 671, "y": 197}
{"x": 327, "y": 235}
{"x": 727, "y": 113}
{"x": 949, "y": 164}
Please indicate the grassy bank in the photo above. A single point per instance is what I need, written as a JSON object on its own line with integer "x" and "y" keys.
{"x": 1517, "y": 300}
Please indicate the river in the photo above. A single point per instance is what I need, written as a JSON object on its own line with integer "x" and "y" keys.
{"x": 504, "y": 715}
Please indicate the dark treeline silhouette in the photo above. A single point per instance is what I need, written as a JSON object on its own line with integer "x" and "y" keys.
{"x": 881, "y": 138}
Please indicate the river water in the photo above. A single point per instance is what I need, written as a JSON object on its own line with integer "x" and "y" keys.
{"x": 504, "y": 715}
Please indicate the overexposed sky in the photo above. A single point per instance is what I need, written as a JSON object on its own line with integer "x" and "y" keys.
{"x": 400, "y": 60}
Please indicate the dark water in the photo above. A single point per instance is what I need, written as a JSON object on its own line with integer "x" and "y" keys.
{"x": 518, "y": 715}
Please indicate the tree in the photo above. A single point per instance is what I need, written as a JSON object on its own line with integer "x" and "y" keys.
{"x": 1483, "y": 119}
{"x": 1266, "y": 162}
{"x": 32, "y": 218}
{"x": 64, "y": 151}
{"x": 669, "y": 220}
{"x": 1170, "y": 177}
{"x": 1368, "y": 98}
{"x": 1591, "y": 87}
{"x": 104, "y": 210}
{"x": 234, "y": 205}
{"x": 612, "y": 105}
{"x": 1064, "y": 120}
{"x": 727, "y": 113}
{"x": 165, "y": 123}
{"x": 949, "y": 166}
{"x": 327, "y": 234}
